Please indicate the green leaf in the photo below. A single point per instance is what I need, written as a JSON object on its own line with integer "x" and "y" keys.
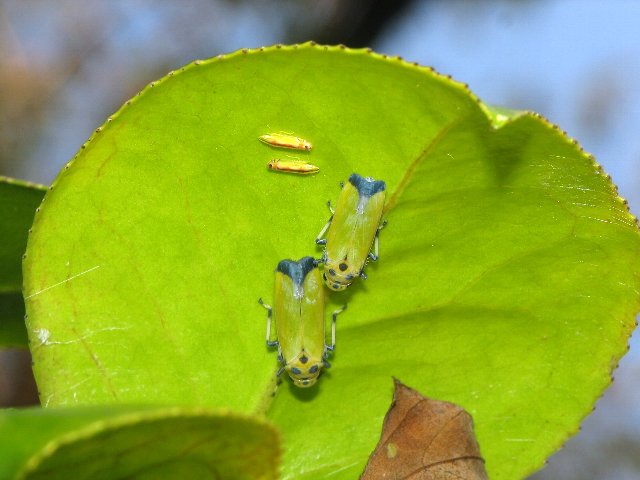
{"x": 507, "y": 283}
{"x": 126, "y": 442}
{"x": 18, "y": 203}
{"x": 12, "y": 330}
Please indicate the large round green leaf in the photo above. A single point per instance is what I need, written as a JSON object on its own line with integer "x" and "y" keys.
{"x": 507, "y": 283}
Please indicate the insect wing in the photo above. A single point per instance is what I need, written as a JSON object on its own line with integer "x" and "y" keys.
{"x": 287, "y": 317}
{"x": 312, "y": 317}
{"x": 340, "y": 237}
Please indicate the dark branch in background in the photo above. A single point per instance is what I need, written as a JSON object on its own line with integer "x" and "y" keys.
{"x": 355, "y": 23}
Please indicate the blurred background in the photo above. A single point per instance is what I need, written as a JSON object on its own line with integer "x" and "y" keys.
{"x": 66, "y": 65}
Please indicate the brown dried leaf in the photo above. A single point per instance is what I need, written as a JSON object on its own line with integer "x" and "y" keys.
{"x": 425, "y": 439}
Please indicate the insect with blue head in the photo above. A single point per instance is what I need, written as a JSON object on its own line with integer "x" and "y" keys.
{"x": 352, "y": 231}
{"x": 300, "y": 325}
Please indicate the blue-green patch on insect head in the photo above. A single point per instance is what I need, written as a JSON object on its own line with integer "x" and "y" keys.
{"x": 297, "y": 271}
{"x": 367, "y": 186}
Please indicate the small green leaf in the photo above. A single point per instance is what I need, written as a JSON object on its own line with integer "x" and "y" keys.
{"x": 507, "y": 281}
{"x": 18, "y": 203}
{"x": 127, "y": 442}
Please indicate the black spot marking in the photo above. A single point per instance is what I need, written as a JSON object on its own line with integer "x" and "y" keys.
{"x": 332, "y": 272}
{"x": 336, "y": 286}
{"x": 343, "y": 267}
{"x": 295, "y": 371}
{"x": 324, "y": 277}
{"x": 313, "y": 369}
{"x": 303, "y": 359}
{"x": 349, "y": 276}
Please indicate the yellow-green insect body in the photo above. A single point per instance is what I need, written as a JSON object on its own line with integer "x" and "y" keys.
{"x": 292, "y": 166}
{"x": 286, "y": 140}
{"x": 300, "y": 325}
{"x": 352, "y": 231}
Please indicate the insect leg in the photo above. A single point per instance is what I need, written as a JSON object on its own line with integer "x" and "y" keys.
{"x": 319, "y": 239}
{"x": 330, "y": 208}
{"x": 363, "y": 275}
{"x": 270, "y": 343}
{"x": 334, "y": 317}
{"x": 322, "y": 259}
{"x": 374, "y": 255}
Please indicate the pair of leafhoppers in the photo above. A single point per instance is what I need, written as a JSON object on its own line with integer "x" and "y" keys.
{"x": 350, "y": 238}
{"x": 286, "y": 140}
